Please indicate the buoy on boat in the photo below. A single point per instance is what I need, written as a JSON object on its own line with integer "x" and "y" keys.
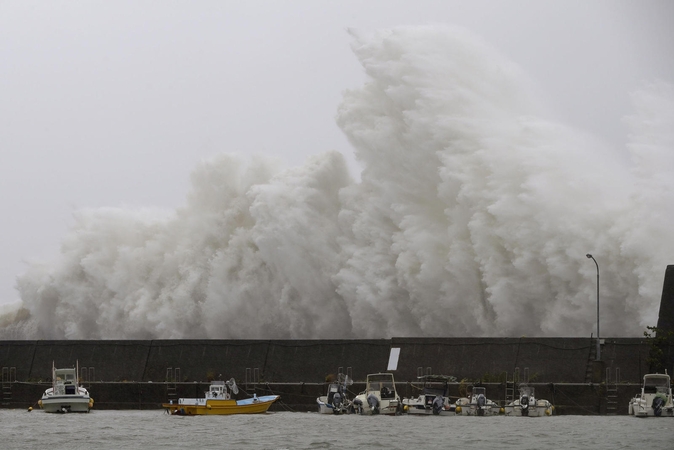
{"x": 458, "y": 410}
{"x": 30, "y": 408}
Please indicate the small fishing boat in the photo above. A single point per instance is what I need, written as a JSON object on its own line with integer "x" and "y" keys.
{"x": 528, "y": 405}
{"x": 218, "y": 401}
{"x": 477, "y": 404}
{"x": 379, "y": 397}
{"x": 65, "y": 395}
{"x": 655, "y": 399}
{"x": 336, "y": 401}
{"x": 434, "y": 398}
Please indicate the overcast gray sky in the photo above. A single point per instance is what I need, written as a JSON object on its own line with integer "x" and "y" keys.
{"x": 114, "y": 103}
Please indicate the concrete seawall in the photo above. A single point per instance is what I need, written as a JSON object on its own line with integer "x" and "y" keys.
{"x": 550, "y": 360}
{"x": 143, "y": 374}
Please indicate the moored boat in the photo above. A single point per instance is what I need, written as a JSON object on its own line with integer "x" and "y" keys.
{"x": 528, "y": 405}
{"x": 434, "y": 398}
{"x": 66, "y": 395}
{"x": 379, "y": 397}
{"x": 218, "y": 401}
{"x": 476, "y": 404}
{"x": 336, "y": 401}
{"x": 655, "y": 399}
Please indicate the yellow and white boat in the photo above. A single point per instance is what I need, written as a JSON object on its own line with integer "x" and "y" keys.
{"x": 218, "y": 401}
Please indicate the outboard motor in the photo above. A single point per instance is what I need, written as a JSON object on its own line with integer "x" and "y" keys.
{"x": 481, "y": 402}
{"x": 658, "y": 403}
{"x": 524, "y": 403}
{"x": 438, "y": 404}
{"x": 373, "y": 401}
{"x": 358, "y": 406}
{"x": 336, "y": 402}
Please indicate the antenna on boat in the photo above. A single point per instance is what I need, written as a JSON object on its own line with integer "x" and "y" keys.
{"x": 232, "y": 385}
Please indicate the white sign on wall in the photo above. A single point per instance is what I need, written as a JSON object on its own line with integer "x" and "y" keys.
{"x": 393, "y": 358}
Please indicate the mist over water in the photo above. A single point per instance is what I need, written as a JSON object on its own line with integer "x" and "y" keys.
{"x": 472, "y": 217}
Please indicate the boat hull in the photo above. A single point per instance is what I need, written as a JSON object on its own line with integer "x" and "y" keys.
{"x": 532, "y": 411}
{"x": 198, "y": 407}
{"x": 66, "y": 404}
{"x": 474, "y": 410}
{"x": 423, "y": 406}
{"x": 639, "y": 408}
{"x": 326, "y": 408}
{"x": 422, "y": 411}
{"x": 385, "y": 407}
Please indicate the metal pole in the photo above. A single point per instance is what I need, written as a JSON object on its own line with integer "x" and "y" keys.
{"x": 598, "y": 344}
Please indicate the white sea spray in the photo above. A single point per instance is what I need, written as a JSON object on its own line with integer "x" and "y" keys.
{"x": 472, "y": 217}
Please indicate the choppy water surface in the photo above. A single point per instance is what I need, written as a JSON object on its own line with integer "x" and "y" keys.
{"x": 288, "y": 430}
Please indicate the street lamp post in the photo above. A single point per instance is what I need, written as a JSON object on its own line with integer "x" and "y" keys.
{"x": 598, "y": 344}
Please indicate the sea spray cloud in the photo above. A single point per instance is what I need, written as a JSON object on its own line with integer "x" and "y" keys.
{"x": 472, "y": 218}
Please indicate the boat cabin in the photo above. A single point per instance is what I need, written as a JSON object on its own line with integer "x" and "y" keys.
{"x": 383, "y": 384}
{"x": 218, "y": 389}
{"x": 657, "y": 384}
{"x": 477, "y": 391}
{"x": 65, "y": 381}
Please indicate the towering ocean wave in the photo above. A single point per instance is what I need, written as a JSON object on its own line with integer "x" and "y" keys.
{"x": 472, "y": 217}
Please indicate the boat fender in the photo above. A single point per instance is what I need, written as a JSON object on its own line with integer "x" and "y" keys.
{"x": 457, "y": 410}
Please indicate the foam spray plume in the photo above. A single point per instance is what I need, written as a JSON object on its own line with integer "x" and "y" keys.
{"x": 472, "y": 217}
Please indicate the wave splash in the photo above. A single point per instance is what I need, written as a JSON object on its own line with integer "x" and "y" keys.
{"x": 472, "y": 217}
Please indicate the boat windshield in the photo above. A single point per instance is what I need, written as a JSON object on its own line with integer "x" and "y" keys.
{"x": 479, "y": 390}
{"x": 528, "y": 391}
{"x": 656, "y": 385}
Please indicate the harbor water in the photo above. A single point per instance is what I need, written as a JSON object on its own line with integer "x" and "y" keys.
{"x": 153, "y": 429}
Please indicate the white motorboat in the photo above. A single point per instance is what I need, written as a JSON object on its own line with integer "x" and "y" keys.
{"x": 477, "y": 404}
{"x": 336, "y": 401}
{"x": 379, "y": 397}
{"x": 434, "y": 399}
{"x": 65, "y": 395}
{"x": 528, "y": 405}
{"x": 655, "y": 399}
